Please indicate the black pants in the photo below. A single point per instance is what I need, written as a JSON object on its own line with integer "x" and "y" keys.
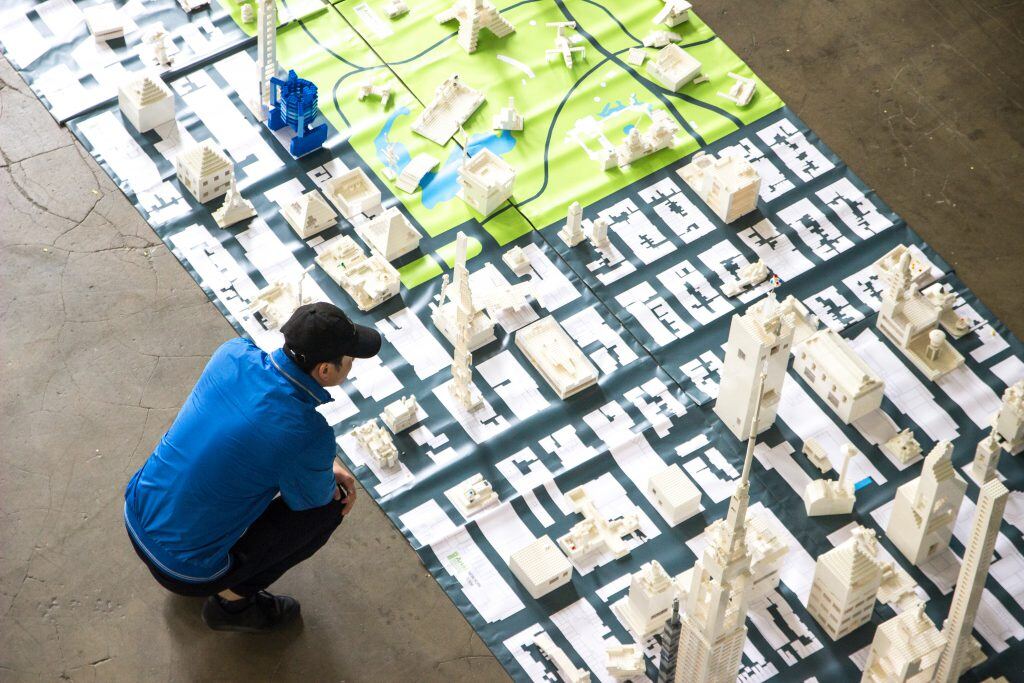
{"x": 278, "y": 540}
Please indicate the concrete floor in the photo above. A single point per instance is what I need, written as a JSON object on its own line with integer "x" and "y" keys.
{"x": 103, "y": 334}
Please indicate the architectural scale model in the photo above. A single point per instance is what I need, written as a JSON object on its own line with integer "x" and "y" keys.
{"x": 670, "y": 646}
{"x": 673, "y": 13}
{"x": 673, "y": 67}
{"x": 540, "y": 567}
{"x": 247, "y": 12}
{"x": 401, "y": 414}
{"x": 460, "y": 318}
{"x": 293, "y": 103}
{"x": 566, "y": 669}
{"x": 661, "y": 38}
{"x": 454, "y": 102}
{"x": 742, "y": 90}
{"x": 827, "y": 497}
{"x": 572, "y": 232}
{"x": 942, "y": 296}
{"x": 595, "y": 532}
{"x": 266, "y": 53}
{"x": 565, "y": 46}
{"x": 624, "y": 661}
{"x": 414, "y": 172}
{"x": 508, "y": 118}
{"x": 145, "y": 101}
{"x": 556, "y": 357}
{"x": 485, "y": 181}
{"x": 160, "y": 45}
{"x": 353, "y": 193}
{"x": 749, "y": 275}
{"x": 905, "y": 649}
{"x": 377, "y": 442}
{"x": 474, "y": 15}
{"x": 389, "y": 234}
{"x": 235, "y": 208}
{"x": 767, "y": 552}
{"x": 838, "y": 375}
{"x": 816, "y": 454}
{"x": 910, "y": 320}
{"x": 986, "y": 459}
{"x": 193, "y": 5}
{"x": 204, "y": 170}
{"x": 381, "y": 91}
{"x": 729, "y": 185}
{"x": 309, "y": 213}
{"x": 846, "y": 581}
{"x": 961, "y": 651}
{"x": 276, "y": 302}
{"x": 104, "y": 22}
{"x": 648, "y": 603}
{"x": 369, "y": 280}
{"x": 395, "y": 9}
{"x": 925, "y": 509}
{"x": 759, "y": 338}
{"x": 517, "y": 261}
{"x": 472, "y": 495}
{"x": 903, "y": 447}
{"x": 598, "y": 233}
{"x": 675, "y": 496}
{"x": 1009, "y": 422}
{"x": 661, "y": 134}
{"x": 636, "y": 56}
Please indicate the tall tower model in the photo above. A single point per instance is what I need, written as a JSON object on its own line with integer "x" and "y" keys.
{"x": 962, "y": 651}
{"x": 462, "y": 360}
{"x": 266, "y": 47}
{"x": 846, "y": 581}
{"x": 714, "y": 625}
{"x": 1009, "y": 422}
{"x": 759, "y": 338}
{"x": 925, "y": 508}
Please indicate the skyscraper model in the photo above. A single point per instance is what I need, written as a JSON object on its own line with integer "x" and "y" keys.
{"x": 714, "y": 625}
{"x": 266, "y": 48}
{"x": 462, "y": 360}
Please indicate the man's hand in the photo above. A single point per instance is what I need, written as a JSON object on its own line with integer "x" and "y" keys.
{"x": 348, "y": 482}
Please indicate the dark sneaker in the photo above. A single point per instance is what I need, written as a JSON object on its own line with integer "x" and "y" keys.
{"x": 261, "y": 612}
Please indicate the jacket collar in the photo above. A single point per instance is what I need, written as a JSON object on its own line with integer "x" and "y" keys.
{"x": 299, "y": 378}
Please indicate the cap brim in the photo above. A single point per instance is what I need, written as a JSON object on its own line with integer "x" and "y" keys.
{"x": 367, "y": 344}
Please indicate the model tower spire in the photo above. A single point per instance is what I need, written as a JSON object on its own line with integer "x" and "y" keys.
{"x": 266, "y": 48}
{"x": 462, "y": 360}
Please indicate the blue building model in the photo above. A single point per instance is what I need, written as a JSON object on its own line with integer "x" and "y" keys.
{"x": 293, "y": 103}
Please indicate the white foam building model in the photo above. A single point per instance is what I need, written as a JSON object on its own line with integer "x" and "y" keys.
{"x": 473, "y": 16}
{"x": 838, "y": 375}
{"x": 565, "y": 45}
{"x": 661, "y": 38}
{"x": 925, "y": 509}
{"x": 729, "y": 185}
{"x": 235, "y": 208}
{"x": 748, "y": 276}
{"x": 472, "y": 495}
{"x": 816, "y": 454}
{"x": 910, "y": 320}
{"x": 1009, "y": 421}
{"x": 675, "y": 496}
{"x": 146, "y": 101}
{"x": 309, "y": 214}
{"x": 204, "y": 170}
{"x": 401, "y": 414}
{"x": 759, "y": 338}
{"x": 905, "y": 649}
{"x": 904, "y": 447}
{"x": 673, "y": 67}
{"x": 673, "y": 13}
{"x": 661, "y": 134}
{"x": 104, "y": 22}
{"x": 414, "y": 172}
{"x": 266, "y": 53}
{"x": 961, "y": 651}
{"x": 485, "y": 181}
{"x": 395, "y": 9}
{"x": 369, "y": 280}
{"x": 508, "y": 118}
{"x": 648, "y": 603}
{"x": 541, "y": 567}
{"x": 742, "y": 90}
{"x": 624, "y": 662}
{"x": 826, "y": 497}
{"x": 454, "y": 102}
{"x": 556, "y": 357}
{"x": 566, "y": 669}
{"x": 846, "y": 582}
{"x": 389, "y": 234}
{"x": 377, "y": 442}
{"x": 277, "y": 301}
{"x": 353, "y": 193}
{"x": 382, "y": 91}
{"x": 595, "y": 532}
{"x": 572, "y": 232}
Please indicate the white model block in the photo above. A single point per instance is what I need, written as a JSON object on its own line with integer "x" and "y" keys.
{"x": 565, "y": 45}
{"x": 377, "y": 442}
{"x": 1009, "y": 421}
{"x": 846, "y": 582}
{"x": 145, "y": 101}
{"x": 395, "y": 9}
{"x": 369, "y": 280}
{"x": 508, "y": 118}
{"x": 390, "y": 234}
{"x": 193, "y": 5}
{"x": 661, "y": 38}
{"x": 763, "y": 334}
{"x": 277, "y": 301}
{"x": 572, "y": 232}
{"x": 661, "y": 134}
{"x": 353, "y": 193}
{"x": 741, "y": 92}
{"x": 905, "y": 649}
{"x": 675, "y": 496}
{"x": 104, "y": 22}
{"x": 749, "y": 275}
{"x": 309, "y": 213}
{"x": 903, "y": 447}
{"x": 235, "y": 208}
{"x": 401, "y": 414}
{"x": 204, "y": 170}
{"x": 472, "y": 495}
{"x": 673, "y": 13}
{"x": 473, "y": 16}
{"x": 517, "y": 260}
{"x": 625, "y": 661}
{"x": 486, "y": 181}
{"x": 566, "y": 669}
{"x": 925, "y": 508}
{"x": 826, "y": 497}
{"x": 540, "y": 567}
{"x": 768, "y": 550}
{"x": 729, "y": 185}
{"x": 673, "y": 67}
{"x": 454, "y": 102}
{"x": 838, "y": 375}
{"x": 414, "y": 172}
{"x": 649, "y": 602}
{"x": 595, "y": 532}
{"x": 248, "y": 13}
{"x": 816, "y": 454}
{"x": 382, "y": 91}
{"x": 599, "y": 233}
{"x": 636, "y": 56}
{"x": 556, "y": 357}
{"x": 943, "y": 298}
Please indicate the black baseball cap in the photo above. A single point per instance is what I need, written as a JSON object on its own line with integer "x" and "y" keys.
{"x": 321, "y": 332}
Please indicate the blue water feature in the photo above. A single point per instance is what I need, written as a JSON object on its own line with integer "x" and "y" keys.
{"x": 381, "y": 143}
{"x": 862, "y": 483}
{"x": 443, "y": 185}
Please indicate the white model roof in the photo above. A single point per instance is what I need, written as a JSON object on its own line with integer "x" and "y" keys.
{"x": 845, "y": 368}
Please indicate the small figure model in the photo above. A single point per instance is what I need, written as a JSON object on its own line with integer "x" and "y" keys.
{"x": 156, "y": 38}
{"x": 474, "y": 15}
{"x": 1009, "y": 421}
{"x": 401, "y": 414}
{"x": 508, "y": 118}
{"x": 564, "y": 45}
